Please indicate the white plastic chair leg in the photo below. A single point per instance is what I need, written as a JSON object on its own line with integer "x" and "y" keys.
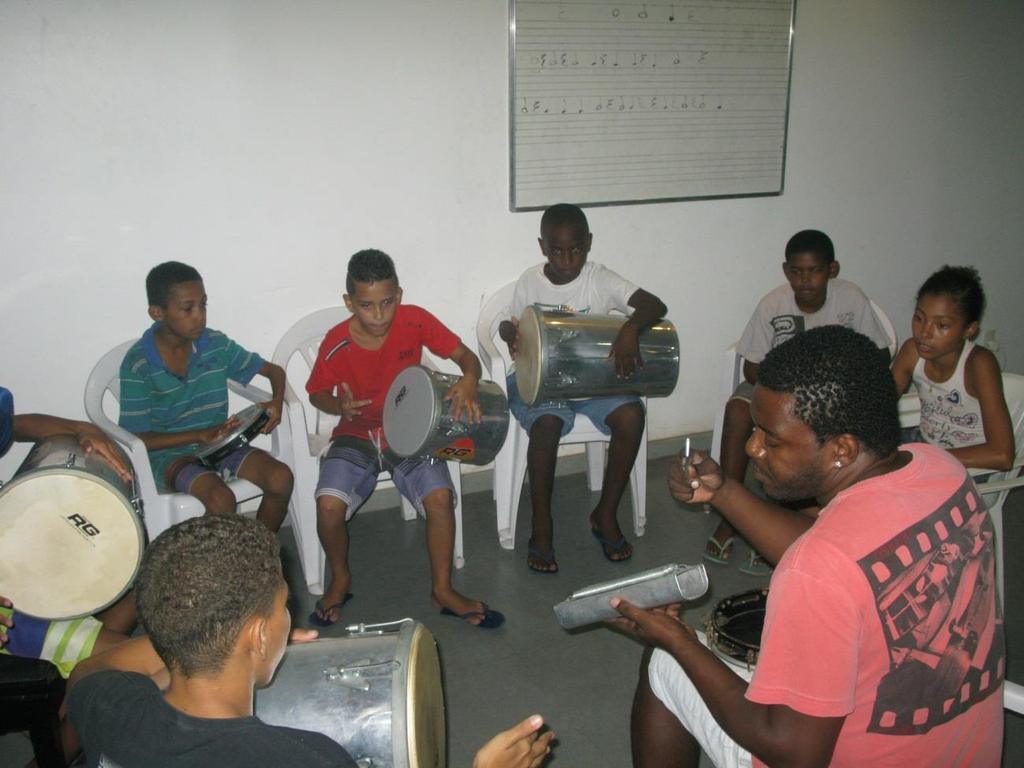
{"x": 596, "y": 453}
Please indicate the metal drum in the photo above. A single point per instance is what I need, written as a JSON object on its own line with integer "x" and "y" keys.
{"x": 418, "y": 422}
{"x": 70, "y": 534}
{"x": 563, "y": 355}
{"x": 377, "y": 693}
{"x": 734, "y": 629}
{"x": 250, "y": 422}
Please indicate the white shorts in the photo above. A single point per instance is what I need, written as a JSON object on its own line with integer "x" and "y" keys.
{"x": 673, "y": 688}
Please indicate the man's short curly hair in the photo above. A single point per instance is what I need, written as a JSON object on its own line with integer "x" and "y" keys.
{"x": 561, "y": 214}
{"x": 369, "y": 266}
{"x": 198, "y": 584}
{"x": 811, "y": 241}
{"x": 840, "y": 385}
{"x": 163, "y": 277}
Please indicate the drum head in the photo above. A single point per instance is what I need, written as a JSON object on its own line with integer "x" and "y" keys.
{"x": 70, "y": 544}
{"x": 734, "y": 630}
{"x": 247, "y": 417}
{"x": 424, "y": 703}
{"x": 411, "y": 410}
{"x": 529, "y": 355}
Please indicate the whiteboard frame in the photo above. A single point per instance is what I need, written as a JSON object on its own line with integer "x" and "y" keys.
{"x": 639, "y": 201}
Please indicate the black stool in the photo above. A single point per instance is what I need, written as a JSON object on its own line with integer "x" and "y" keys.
{"x": 31, "y": 692}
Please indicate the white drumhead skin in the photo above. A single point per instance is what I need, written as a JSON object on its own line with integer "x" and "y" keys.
{"x": 69, "y": 544}
{"x": 425, "y": 703}
{"x": 410, "y": 411}
{"x": 529, "y": 355}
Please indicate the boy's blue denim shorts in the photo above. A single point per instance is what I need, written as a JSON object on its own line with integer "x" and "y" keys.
{"x": 192, "y": 471}
{"x": 597, "y": 409}
{"x": 350, "y": 467}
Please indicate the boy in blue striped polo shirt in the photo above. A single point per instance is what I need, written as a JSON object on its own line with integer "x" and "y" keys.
{"x": 174, "y": 396}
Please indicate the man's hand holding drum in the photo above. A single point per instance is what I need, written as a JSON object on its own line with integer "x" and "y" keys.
{"x": 273, "y": 408}
{"x": 95, "y": 441}
{"x": 625, "y": 350}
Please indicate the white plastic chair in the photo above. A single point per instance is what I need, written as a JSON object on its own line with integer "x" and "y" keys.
{"x": 732, "y": 375}
{"x": 510, "y": 463}
{"x": 994, "y": 486}
{"x": 160, "y": 510}
{"x": 309, "y": 436}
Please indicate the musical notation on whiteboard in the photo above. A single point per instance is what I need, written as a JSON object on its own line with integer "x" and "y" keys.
{"x": 663, "y": 100}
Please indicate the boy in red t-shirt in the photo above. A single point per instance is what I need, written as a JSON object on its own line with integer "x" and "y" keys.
{"x": 357, "y": 362}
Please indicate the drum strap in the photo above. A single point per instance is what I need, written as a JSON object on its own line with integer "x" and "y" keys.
{"x": 375, "y": 438}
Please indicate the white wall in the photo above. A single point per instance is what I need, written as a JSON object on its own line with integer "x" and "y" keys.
{"x": 264, "y": 142}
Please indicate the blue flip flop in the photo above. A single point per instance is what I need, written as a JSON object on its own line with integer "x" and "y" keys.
{"x": 547, "y": 558}
{"x": 491, "y": 619}
{"x": 315, "y": 618}
{"x": 612, "y": 547}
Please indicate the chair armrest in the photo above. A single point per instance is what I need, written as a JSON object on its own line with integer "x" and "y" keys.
{"x": 996, "y": 486}
{"x": 249, "y": 391}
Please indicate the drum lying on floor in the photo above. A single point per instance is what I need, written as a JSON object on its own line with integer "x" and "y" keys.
{"x": 378, "y": 694}
{"x": 70, "y": 534}
{"x": 563, "y": 355}
{"x": 418, "y": 422}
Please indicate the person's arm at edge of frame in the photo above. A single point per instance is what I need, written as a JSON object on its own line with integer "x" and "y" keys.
{"x": 38, "y": 426}
{"x": 768, "y": 527}
{"x": 903, "y": 366}
{"x": 777, "y": 734}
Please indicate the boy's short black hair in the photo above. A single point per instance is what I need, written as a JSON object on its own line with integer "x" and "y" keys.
{"x": 369, "y": 266}
{"x": 561, "y": 214}
{"x": 198, "y": 584}
{"x": 840, "y": 385}
{"x": 163, "y": 277}
{"x": 962, "y": 285}
{"x": 811, "y": 241}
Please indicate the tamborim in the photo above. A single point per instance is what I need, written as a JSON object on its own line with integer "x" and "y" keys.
{"x": 250, "y": 422}
{"x": 70, "y": 534}
{"x": 418, "y": 422}
{"x": 377, "y": 694}
{"x": 564, "y": 355}
{"x": 734, "y": 629}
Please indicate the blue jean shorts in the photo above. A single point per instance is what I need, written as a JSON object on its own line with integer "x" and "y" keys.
{"x": 192, "y": 471}
{"x": 597, "y": 409}
{"x": 350, "y": 467}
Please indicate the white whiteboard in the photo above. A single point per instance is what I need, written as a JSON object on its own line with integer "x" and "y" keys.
{"x": 617, "y": 102}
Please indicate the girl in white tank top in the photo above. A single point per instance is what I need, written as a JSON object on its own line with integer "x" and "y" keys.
{"x": 959, "y": 384}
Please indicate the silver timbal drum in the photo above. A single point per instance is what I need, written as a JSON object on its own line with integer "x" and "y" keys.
{"x": 377, "y": 692}
{"x": 563, "y": 355}
{"x": 418, "y": 422}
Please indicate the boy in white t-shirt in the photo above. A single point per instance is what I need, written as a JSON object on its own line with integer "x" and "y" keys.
{"x": 814, "y": 296}
{"x": 568, "y": 281}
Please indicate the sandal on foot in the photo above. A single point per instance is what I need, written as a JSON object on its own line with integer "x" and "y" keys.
{"x": 320, "y": 612}
{"x": 609, "y": 548}
{"x": 488, "y": 619}
{"x": 723, "y": 551}
{"x": 756, "y": 565}
{"x": 548, "y": 559}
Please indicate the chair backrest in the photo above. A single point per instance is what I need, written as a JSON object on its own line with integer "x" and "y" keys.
{"x": 105, "y": 378}
{"x": 887, "y": 326}
{"x": 493, "y": 310}
{"x": 296, "y": 352}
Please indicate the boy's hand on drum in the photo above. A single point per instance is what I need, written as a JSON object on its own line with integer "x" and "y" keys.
{"x": 518, "y": 747}
{"x": 350, "y": 407}
{"x": 273, "y": 409}
{"x": 465, "y": 400}
{"x": 212, "y": 434}
{"x": 695, "y": 481}
{"x": 95, "y": 440}
{"x": 660, "y": 627}
{"x": 625, "y": 351}
{"x": 508, "y": 330}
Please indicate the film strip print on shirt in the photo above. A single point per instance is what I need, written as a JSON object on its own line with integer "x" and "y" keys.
{"x": 934, "y": 587}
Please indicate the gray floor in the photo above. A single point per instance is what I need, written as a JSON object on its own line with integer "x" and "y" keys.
{"x": 582, "y": 682}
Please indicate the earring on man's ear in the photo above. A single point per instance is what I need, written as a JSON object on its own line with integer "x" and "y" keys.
{"x": 839, "y": 464}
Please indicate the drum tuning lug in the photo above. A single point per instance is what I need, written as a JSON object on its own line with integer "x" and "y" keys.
{"x": 364, "y": 762}
{"x": 69, "y": 462}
